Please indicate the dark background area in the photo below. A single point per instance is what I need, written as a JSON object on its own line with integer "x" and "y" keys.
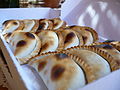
{"x": 9, "y": 3}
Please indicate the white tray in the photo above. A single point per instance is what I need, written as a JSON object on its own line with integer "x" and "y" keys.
{"x": 25, "y": 78}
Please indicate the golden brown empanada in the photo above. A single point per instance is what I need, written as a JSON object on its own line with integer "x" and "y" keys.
{"x": 45, "y": 24}
{"x": 58, "y": 23}
{"x": 25, "y": 45}
{"x": 30, "y": 25}
{"x": 59, "y": 72}
{"x": 70, "y": 38}
{"x": 86, "y": 35}
{"x": 12, "y": 25}
{"x": 49, "y": 41}
{"x": 98, "y": 64}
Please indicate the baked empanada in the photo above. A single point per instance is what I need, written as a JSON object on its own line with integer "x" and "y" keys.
{"x": 70, "y": 38}
{"x": 86, "y": 35}
{"x": 49, "y": 41}
{"x": 98, "y": 64}
{"x": 30, "y": 25}
{"x": 25, "y": 45}
{"x": 12, "y": 25}
{"x": 58, "y": 23}
{"x": 59, "y": 72}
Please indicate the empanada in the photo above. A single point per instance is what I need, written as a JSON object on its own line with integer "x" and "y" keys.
{"x": 45, "y": 24}
{"x": 25, "y": 45}
{"x": 12, "y": 25}
{"x": 86, "y": 35}
{"x": 99, "y": 65}
{"x": 70, "y": 38}
{"x": 30, "y": 25}
{"x": 58, "y": 23}
{"x": 49, "y": 41}
{"x": 59, "y": 72}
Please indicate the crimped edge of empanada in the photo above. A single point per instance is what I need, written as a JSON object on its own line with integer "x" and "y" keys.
{"x": 32, "y": 59}
{"x": 81, "y": 63}
{"x": 81, "y": 42}
{"x": 34, "y": 29}
{"x": 33, "y": 53}
{"x": 21, "y": 25}
{"x": 109, "y": 43}
{"x": 60, "y": 41}
{"x": 93, "y": 32}
{"x": 62, "y": 22}
{"x": 100, "y": 52}
{"x": 89, "y": 74}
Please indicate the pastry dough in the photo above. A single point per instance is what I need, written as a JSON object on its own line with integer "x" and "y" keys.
{"x": 59, "y": 72}
{"x": 110, "y": 50}
{"x": 70, "y": 38}
{"x": 25, "y": 45}
{"x": 30, "y": 25}
{"x": 12, "y": 25}
{"x": 86, "y": 35}
{"x": 58, "y": 23}
{"x": 99, "y": 65}
{"x": 93, "y": 32}
{"x": 49, "y": 40}
{"x": 61, "y": 40}
{"x": 45, "y": 24}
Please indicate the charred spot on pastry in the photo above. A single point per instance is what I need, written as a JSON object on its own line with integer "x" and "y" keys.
{"x": 85, "y": 38}
{"x": 57, "y": 72}
{"x": 55, "y": 24}
{"x": 37, "y": 32}
{"x": 72, "y": 26}
{"x": 30, "y": 35}
{"x": 61, "y": 56}
{"x": 9, "y": 34}
{"x": 52, "y": 20}
{"x": 21, "y": 43}
{"x": 118, "y": 62}
{"x": 104, "y": 46}
{"x": 45, "y": 46}
{"x": 41, "y": 20}
{"x": 41, "y": 65}
{"x": 69, "y": 37}
{"x": 41, "y": 26}
{"x": 87, "y": 29}
{"x": 109, "y": 41}
{"x": 6, "y": 22}
{"x": 15, "y": 23}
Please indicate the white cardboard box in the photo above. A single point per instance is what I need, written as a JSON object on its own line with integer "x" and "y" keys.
{"x": 78, "y": 12}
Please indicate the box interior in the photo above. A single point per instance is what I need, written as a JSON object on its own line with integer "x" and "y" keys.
{"x": 100, "y": 15}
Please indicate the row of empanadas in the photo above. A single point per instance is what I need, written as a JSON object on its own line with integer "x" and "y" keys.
{"x": 45, "y": 40}
{"x": 32, "y": 25}
{"x": 73, "y": 68}
{"x": 66, "y": 68}
{"x": 112, "y": 47}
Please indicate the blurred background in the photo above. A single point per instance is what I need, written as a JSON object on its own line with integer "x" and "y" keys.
{"x": 20, "y": 3}
{"x": 30, "y": 3}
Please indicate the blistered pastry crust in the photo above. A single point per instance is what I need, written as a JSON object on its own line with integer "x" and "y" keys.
{"x": 115, "y": 44}
{"x": 87, "y": 68}
{"x": 93, "y": 32}
{"x": 33, "y": 53}
{"x": 100, "y": 52}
